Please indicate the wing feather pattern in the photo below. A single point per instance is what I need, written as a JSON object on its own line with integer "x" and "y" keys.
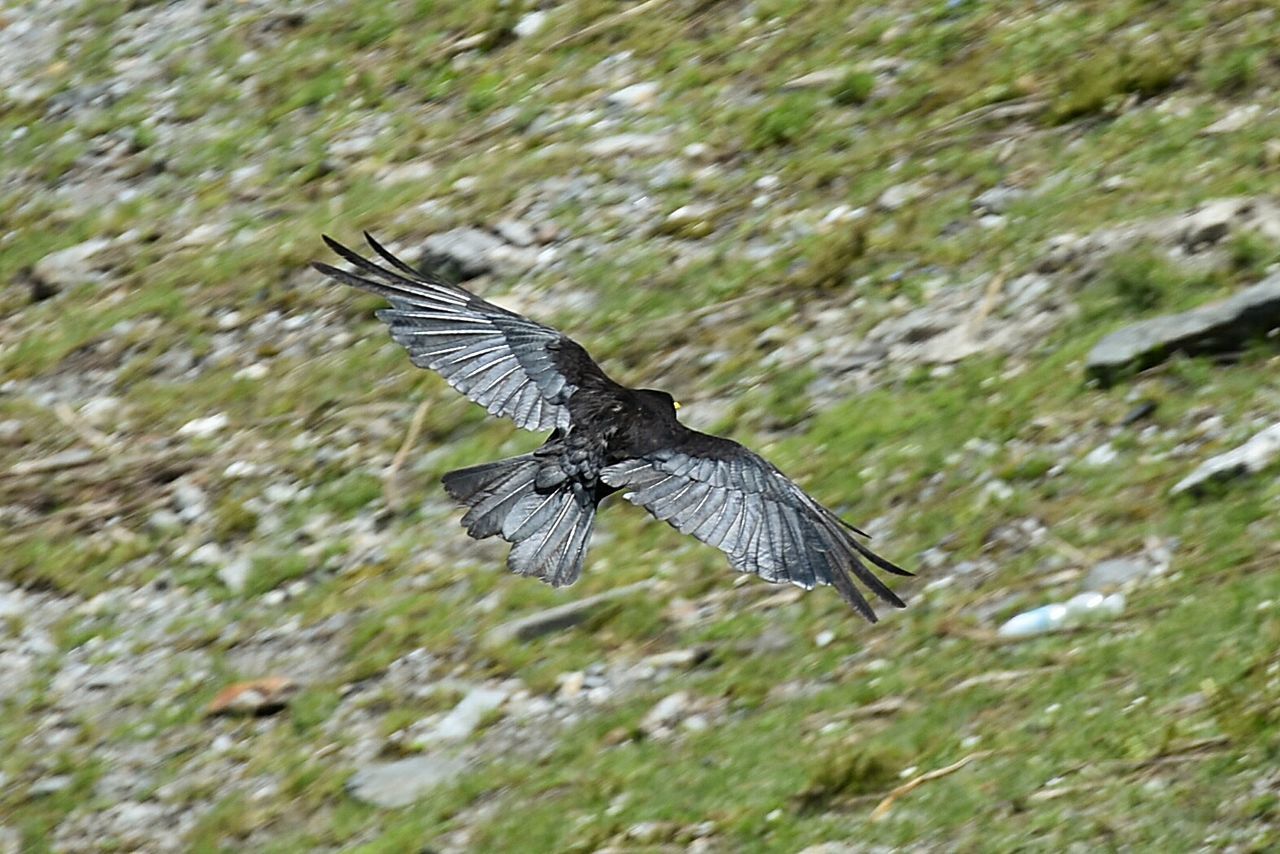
{"x": 731, "y": 498}
{"x": 512, "y": 366}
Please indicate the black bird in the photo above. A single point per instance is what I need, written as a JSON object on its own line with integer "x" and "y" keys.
{"x": 604, "y": 438}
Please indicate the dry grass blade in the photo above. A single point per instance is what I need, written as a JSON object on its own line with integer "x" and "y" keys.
{"x": 391, "y": 485}
{"x": 603, "y": 24}
{"x": 883, "y": 808}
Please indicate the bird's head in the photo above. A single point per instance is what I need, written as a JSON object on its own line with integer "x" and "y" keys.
{"x": 659, "y": 402}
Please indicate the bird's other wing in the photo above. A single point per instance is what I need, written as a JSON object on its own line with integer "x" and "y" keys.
{"x": 731, "y": 498}
{"x": 510, "y": 365}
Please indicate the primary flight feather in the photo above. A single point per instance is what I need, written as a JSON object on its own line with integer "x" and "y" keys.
{"x": 605, "y": 438}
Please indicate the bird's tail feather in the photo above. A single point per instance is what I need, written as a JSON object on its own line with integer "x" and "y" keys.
{"x": 547, "y": 527}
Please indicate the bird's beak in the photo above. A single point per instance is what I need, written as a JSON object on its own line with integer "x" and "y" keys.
{"x": 677, "y": 405}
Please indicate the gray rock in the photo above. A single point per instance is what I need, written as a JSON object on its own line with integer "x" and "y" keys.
{"x": 463, "y": 718}
{"x": 666, "y": 713}
{"x": 997, "y": 199}
{"x": 235, "y": 573}
{"x": 1238, "y": 118}
{"x": 1220, "y": 327}
{"x": 820, "y": 80}
{"x": 1213, "y": 220}
{"x": 899, "y": 195}
{"x": 635, "y": 96}
{"x": 400, "y": 783}
{"x": 1250, "y": 458}
{"x": 1210, "y": 223}
{"x": 689, "y": 222}
{"x": 559, "y": 617}
{"x": 1115, "y": 573}
{"x": 70, "y": 266}
{"x": 530, "y": 24}
{"x": 49, "y": 785}
{"x": 1103, "y": 455}
{"x": 11, "y": 432}
{"x": 634, "y": 144}
{"x": 407, "y": 173}
{"x": 202, "y": 428}
{"x": 101, "y": 411}
{"x": 461, "y": 254}
{"x": 516, "y": 232}
{"x": 11, "y": 604}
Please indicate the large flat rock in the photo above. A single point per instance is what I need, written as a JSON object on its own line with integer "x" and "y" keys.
{"x": 1225, "y": 327}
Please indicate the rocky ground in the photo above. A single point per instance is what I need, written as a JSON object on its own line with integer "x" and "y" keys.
{"x": 998, "y": 281}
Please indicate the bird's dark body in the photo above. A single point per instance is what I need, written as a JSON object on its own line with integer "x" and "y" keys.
{"x": 605, "y": 438}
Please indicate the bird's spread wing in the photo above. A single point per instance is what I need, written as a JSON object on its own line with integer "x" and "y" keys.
{"x": 508, "y": 364}
{"x": 730, "y": 498}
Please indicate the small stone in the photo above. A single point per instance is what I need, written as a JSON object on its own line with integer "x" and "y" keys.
{"x": 1115, "y": 573}
{"x": 205, "y": 234}
{"x": 1103, "y": 455}
{"x": 1250, "y": 458}
{"x": 241, "y": 468}
{"x": 689, "y": 222}
{"x": 101, "y": 411}
{"x": 50, "y": 785}
{"x": 697, "y": 151}
{"x": 463, "y": 718}
{"x": 11, "y": 431}
{"x": 997, "y": 199}
{"x": 1271, "y": 152}
{"x": 571, "y": 684}
{"x": 632, "y": 144}
{"x": 636, "y": 96}
{"x": 666, "y": 713}
{"x": 651, "y": 832}
{"x": 824, "y": 638}
{"x": 1210, "y": 222}
{"x": 70, "y": 266}
{"x": 204, "y": 427}
{"x": 530, "y": 24}
{"x": 407, "y": 173}
{"x": 400, "y": 783}
{"x": 235, "y": 574}
{"x": 820, "y": 80}
{"x": 208, "y": 554}
{"x": 675, "y": 658}
{"x": 11, "y": 604}
{"x": 515, "y": 232}
{"x": 164, "y": 521}
{"x": 900, "y": 195}
{"x": 1236, "y": 119}
{"x": 460, "y": 254}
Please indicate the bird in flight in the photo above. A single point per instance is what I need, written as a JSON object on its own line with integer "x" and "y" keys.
{"x": 604, "y": 438}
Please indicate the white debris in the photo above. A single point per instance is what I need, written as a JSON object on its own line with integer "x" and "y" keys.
{"x": 1080, "y": 609}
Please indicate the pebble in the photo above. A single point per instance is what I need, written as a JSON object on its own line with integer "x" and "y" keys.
{"x": 636, "y": 96}
{"x": 204, "y": 427}
{"x": 71, "y": 266}
{"x": 630, "y": 144}
{"x": 463, "y": 719}
{"x": 900, "y": 195}
{"x": 1252, "y": 457}
{"x": 400, "y": 783}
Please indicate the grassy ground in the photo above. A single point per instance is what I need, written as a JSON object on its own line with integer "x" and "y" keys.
{"x": 1160, "y": 729}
